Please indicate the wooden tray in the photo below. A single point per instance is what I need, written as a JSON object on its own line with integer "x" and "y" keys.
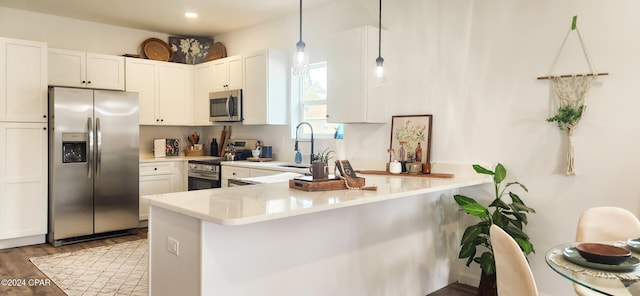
{"x": 259, "y": 159}
{"x": 432, "y": 175}
{"x": 324, "y": 185}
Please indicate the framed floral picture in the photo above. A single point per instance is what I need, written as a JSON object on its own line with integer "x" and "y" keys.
{"x": 411, "y": 137}
{"x": 190, "y": 50}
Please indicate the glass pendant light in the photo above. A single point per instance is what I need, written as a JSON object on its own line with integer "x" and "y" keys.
{"x": 300, "y": 59}
{"x": 380, "y": 75}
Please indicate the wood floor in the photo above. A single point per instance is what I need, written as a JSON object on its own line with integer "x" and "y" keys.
{"x": 456, "y": 289}
{"x": 15, "y": 264}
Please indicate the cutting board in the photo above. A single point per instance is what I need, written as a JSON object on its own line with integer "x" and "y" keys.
{"x": 432, "y": 175}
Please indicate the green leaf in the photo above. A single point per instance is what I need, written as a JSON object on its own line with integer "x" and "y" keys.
{"x": 487, "y": 263}
{"x": 516, "y": 232}
{"x": 499, "y": 219}
{"x": 467, "y": 251}
{"x": 517, "y": 183}
{"x": 500, "y": 174}
{"x": 471, "y": 234}
{"x": 476, "y": 210}
{"x": 522, "y": 208}
{"x": 522, "y": 217}
{"x": 481, "y": 170}
{"x": 462, "y": 200}
{"x": 498, "y": 203}
{"x": 520, "y": 204}
{"x": 525, "y": 245}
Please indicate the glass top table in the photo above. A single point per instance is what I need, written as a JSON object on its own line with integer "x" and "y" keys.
{"x": 604, "y": 279}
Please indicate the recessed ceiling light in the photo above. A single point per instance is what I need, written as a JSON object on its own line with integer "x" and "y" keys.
{"x": 191, "y": 14}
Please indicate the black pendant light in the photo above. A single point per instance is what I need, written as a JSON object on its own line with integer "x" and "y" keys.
{"x": 300, "y": 59}
{"x": 380, "y": 75}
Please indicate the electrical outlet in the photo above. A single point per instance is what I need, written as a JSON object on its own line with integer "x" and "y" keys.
{"x": 173, "y": 246}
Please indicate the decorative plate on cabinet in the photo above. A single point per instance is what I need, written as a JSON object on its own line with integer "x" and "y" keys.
{"x": 218, "y": 51}
{"x": 156, "y": 49}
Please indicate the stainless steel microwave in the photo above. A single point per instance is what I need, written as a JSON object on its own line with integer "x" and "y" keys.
{"x": 225, "y": 106}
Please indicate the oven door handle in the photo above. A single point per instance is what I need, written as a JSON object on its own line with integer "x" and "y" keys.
{"x": 214, "y": 177}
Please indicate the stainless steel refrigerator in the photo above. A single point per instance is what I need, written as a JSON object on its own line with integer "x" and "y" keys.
{"x": 93, "y": 164}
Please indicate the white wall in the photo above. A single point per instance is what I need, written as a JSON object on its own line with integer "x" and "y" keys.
{"x": 66, "y": 33}
{"x": 472, "y": 64}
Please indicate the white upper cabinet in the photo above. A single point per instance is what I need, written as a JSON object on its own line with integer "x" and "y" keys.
{"x": 227, "y": 73}
{"x": 202, "y": 86}
{"x": 165, "y": 91}
{"x": 264, "y": 95}
{"x": 23, "y": 80}
{"x": 82, "y": 69}
{"x": 352, "y": 94}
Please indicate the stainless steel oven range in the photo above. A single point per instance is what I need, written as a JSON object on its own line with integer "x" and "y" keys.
{"x": 204, "y": 174}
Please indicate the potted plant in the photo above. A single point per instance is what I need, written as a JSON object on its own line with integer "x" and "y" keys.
{"x": 324, "y": 156}
{"x": 510, "y": 216}
{"x": 320, "y": 164}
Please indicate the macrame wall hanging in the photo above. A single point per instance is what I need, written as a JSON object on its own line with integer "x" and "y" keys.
{"x": 570, "y": 91}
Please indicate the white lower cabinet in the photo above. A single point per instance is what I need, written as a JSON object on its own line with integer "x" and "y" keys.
{"x": 158, "y": 178}
{"x": 232, "y": 172}
{"x": 23, "y": 180}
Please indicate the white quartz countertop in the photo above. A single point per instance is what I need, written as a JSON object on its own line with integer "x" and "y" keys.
{"x": 265, "y": 202}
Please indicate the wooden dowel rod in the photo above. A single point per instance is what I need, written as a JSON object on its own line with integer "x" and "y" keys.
{"x": 565, "y": 76}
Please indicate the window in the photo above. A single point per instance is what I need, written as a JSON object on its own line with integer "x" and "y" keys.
{"x": 312, "y": 101}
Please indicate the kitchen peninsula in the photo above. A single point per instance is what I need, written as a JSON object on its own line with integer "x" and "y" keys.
{"x": 272, "y": 240}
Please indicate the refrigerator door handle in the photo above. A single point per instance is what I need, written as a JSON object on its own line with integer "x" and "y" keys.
{"x": 98, "y": 147}
{"x": 90, "y": 162}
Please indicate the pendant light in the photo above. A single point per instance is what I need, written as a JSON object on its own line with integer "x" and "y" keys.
{"x": 300, "y": 59}
{"x": 380, "y": 75}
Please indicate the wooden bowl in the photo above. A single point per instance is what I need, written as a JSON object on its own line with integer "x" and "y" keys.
{"x": 601, "y": 253}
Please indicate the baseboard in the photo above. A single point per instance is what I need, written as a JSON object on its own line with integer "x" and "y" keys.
{"x": 468, "y": 279}
{"x": 22, "y": 241}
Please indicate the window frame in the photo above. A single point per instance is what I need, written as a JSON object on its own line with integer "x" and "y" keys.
{"x": 298, "y": 106}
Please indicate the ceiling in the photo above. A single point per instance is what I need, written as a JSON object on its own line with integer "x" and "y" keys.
{"x": 167, "y": 16}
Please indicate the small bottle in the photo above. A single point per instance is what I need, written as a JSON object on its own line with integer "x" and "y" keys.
{"x": 214, "y": 147}
{"x": 419, "y": 153}
{"x": 403, "y": 152}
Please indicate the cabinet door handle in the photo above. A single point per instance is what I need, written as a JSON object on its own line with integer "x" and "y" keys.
{"x": 44, "y": 116}
{"x": 44, "y": 128}
{"x": 83, "y": 81}
{"x": 88, "y": 82}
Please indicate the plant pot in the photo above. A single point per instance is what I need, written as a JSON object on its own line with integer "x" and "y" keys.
{"x": 319, "y": 170}
{"x": 488, "y": 285}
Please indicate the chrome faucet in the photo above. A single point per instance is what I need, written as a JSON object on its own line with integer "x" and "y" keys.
{"x": 311, "y": 156}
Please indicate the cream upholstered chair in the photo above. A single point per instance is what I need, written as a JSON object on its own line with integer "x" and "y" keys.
{"x": 513, "y": 274}
{"x": 605, "y": 224}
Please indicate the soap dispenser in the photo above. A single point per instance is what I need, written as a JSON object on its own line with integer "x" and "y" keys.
{"x": 298, "y": 157}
